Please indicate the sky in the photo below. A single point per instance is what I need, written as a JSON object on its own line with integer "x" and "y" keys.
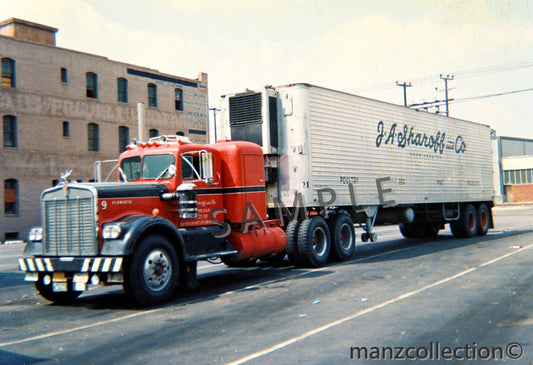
{"x": 358, "y": 46}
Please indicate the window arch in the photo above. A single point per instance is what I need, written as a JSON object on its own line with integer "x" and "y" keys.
{"x": 92, "y": 85}
{"x": 10, "y": 131}
{"x": 11, "y": 193}
{"x": 152, "y": 95}
{"x": 93, "y": 137}
{"x": 8, "y": 72}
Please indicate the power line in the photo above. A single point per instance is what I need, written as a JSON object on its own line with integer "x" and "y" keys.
{"x": 464, "y": 74}
{"x": 492, "y": 95}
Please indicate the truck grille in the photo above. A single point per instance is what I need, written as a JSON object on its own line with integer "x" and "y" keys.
{"x": 69, "y": 222}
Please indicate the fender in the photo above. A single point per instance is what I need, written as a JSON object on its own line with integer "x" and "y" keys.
{"x": 192, "y": 244}
{"x": 134, "y": 227}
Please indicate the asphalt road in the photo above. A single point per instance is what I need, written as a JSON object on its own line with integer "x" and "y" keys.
{"x": 442, "y": 300}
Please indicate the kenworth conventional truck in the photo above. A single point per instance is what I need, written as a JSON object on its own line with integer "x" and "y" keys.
{"x": 298, "y": 166}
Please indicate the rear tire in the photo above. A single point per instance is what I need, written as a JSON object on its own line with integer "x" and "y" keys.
{"x": 467, "y": 224}
{"x": 484, "y": 223}
{"x": 151, "y": 274}
{"x": 292, "y": 242}
{"x": 342, "y": 236}
{"x": 313, "y": 242}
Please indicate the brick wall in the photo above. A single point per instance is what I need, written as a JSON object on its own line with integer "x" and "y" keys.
{"x": 519, "y": 193}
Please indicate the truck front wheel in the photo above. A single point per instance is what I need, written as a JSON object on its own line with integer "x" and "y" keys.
{"x": 151, "y": 274}
{"x": 313, "y": 242}
{"x": 57, "y": 297}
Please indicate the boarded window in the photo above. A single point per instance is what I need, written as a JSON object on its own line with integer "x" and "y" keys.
{"x": 8, "y": 72}
{"x": 11, "y": 196}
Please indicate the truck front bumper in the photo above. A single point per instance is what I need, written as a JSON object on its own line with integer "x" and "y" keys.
{"x": 58, "y": 271}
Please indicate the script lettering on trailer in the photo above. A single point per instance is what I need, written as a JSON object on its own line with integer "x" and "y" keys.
{"x": 407, "y": 136}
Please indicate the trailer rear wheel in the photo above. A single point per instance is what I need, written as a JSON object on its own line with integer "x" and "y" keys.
{"x": 151, "y": 273}
{"x": 467, "y": 224}
{"x": 313, "y": 242}
{"x": 57, "y": 297}
{"x": 483, "y": 214}
{"x": 342, "y": 236}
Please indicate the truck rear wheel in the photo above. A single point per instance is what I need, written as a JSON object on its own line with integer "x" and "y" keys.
{"x": 483, "y": 215}
{"x": 151, "y": 274}
{"x": 57, "y": 297}
{"x": 292, "y": 242}
{"x": 342, "y": 236}
{"x": 467, "y": 224}
{"x": 313, "y": 242}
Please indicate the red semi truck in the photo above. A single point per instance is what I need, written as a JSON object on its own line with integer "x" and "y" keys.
{"x": 300, "y": 166}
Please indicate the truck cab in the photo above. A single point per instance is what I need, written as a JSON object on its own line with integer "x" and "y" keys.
{"x": 174, "y": 203}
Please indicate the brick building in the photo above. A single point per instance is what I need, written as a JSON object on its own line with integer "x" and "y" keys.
{"x": 61, "y": 109}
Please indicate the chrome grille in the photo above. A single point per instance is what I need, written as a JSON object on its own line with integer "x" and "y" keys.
{"x": 69, "y": 223}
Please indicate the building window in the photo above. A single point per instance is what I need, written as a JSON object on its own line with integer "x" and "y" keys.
{"x": 10, "y": 131}
{"x": 178, "y": 99}
{"x": 92, "y": 85}
{"x": 64, "y": 75}
{"x": 8, "y": 72}
{"x": 152, "y": 95}
{"x": 122, "y": 90}
{"x": 514, "y": 177}
{"x": 93, "y": 137}
{"x": 66, "y": 129}
{"x": 123, "y": 138}
{"x": 11, "y": 187}
{"x": 153, "y": 133}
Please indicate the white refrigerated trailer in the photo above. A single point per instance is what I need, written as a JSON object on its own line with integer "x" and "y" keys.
{"x": 358, "y": 160}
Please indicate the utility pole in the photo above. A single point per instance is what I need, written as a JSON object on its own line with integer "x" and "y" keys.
{"x": 215, "y": 110}
{"x": 446, "y": 78}
{"x": 405, "y": 86}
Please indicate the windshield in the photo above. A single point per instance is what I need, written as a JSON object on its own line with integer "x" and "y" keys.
{"x": 154, "y": 165}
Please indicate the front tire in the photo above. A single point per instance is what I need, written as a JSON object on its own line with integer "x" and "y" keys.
{"x": 313, "y": 242}
{"x": 152, "y": 272}
{"x": 57, "y": 297}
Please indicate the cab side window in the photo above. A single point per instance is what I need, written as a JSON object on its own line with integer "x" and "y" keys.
{"x": 190, "y": 167}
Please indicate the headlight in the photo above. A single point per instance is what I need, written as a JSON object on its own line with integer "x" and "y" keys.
{"x": 36, "y": 234}
{"x": 111, "y": 231}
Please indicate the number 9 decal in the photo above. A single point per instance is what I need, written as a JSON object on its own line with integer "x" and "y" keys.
{"x": 104, "y": 205}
